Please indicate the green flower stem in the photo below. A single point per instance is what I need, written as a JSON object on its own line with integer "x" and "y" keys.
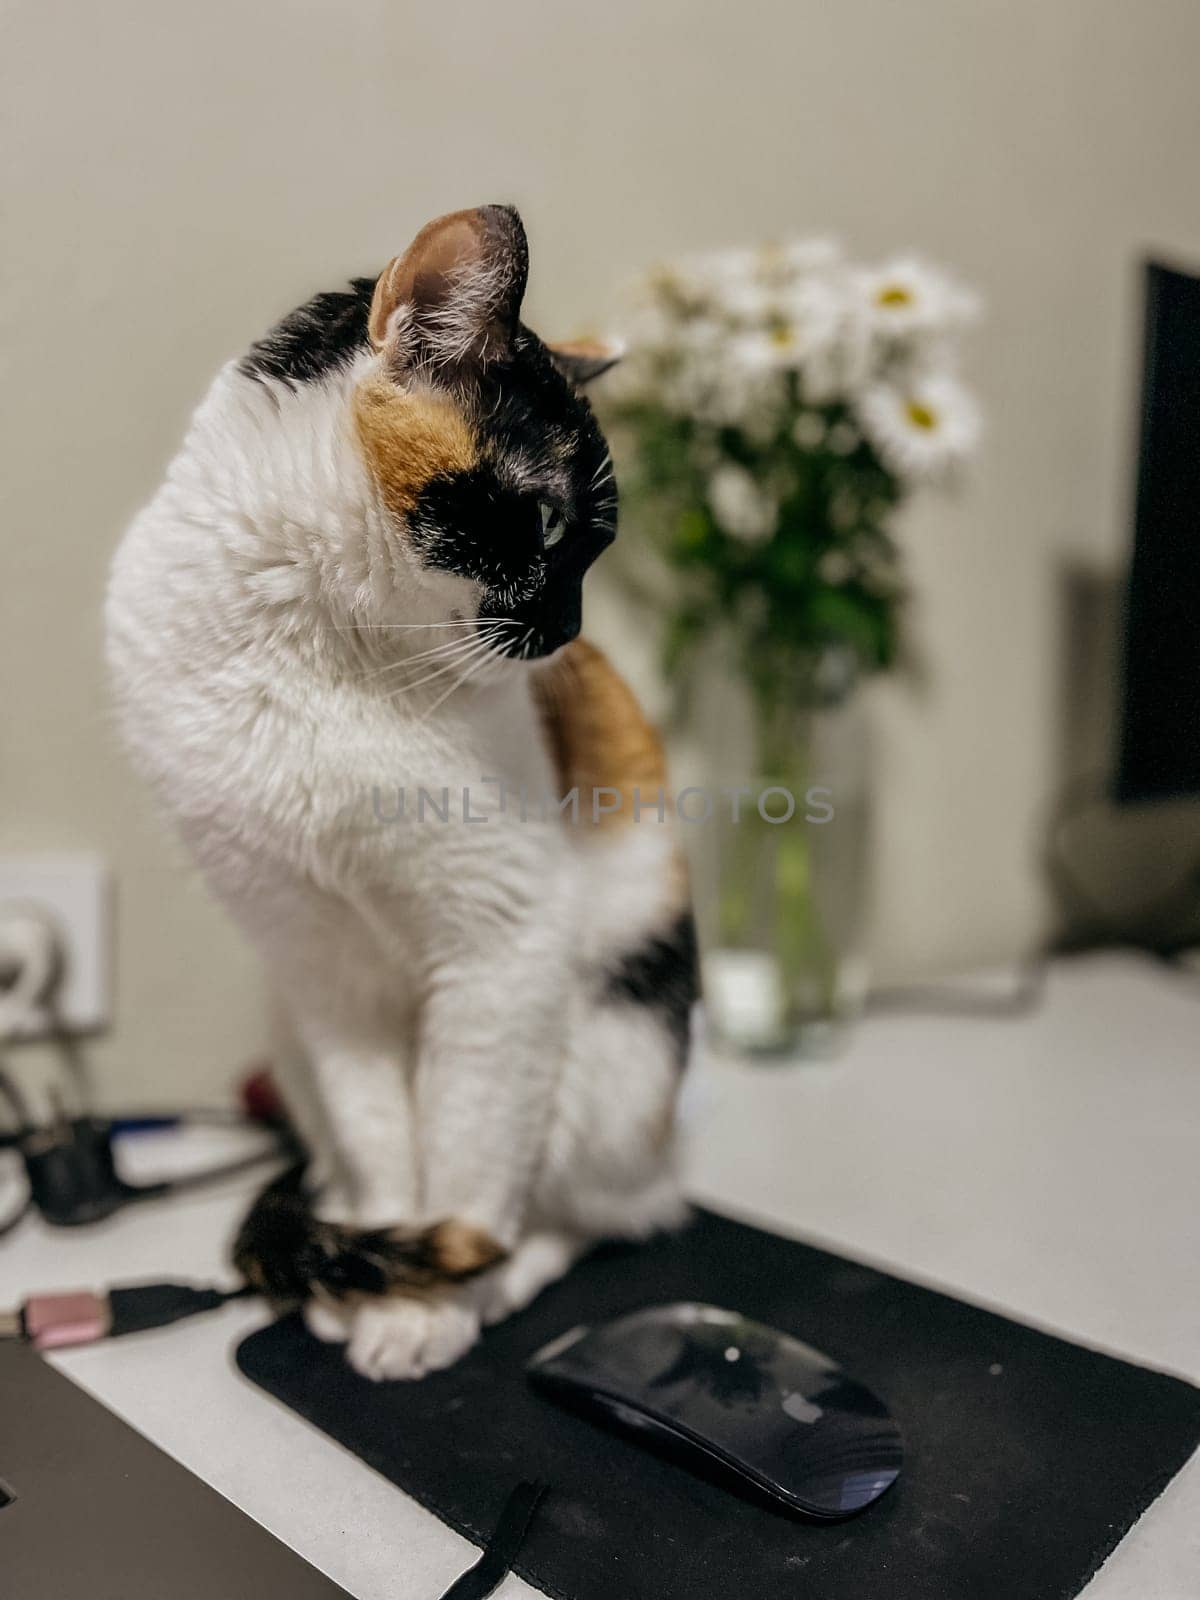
{"x": 806, "y": 959}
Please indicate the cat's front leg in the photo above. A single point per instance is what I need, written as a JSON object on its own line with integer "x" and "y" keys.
{"x": 490, "y": 1053}
{"x": 348, "y": 1087}
{"x": 300, "y": 1239}
{"x": 490, "y": 1057}
{"x": 366, "y": 1097}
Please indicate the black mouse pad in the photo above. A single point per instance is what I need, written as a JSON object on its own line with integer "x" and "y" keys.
{"x": 1027, "y": 1458}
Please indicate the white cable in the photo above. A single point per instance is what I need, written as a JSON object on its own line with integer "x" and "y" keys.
{"x": 30, "y": 967}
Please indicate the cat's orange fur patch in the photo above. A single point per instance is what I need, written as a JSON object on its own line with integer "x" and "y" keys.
{"x": 586, "y": 349}
{"x": 599, "y": 736}
{"x": 407, "y": 440}
{"x": 459, "y": 1250}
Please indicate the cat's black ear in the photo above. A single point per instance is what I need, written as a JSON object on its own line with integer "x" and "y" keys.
{"x": 455, "y": 294}
{"x": 581, "y": 360}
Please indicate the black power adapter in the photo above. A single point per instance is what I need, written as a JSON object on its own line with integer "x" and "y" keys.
{"x": 71, "y": 1169}
{"x": 72, "y": 1172}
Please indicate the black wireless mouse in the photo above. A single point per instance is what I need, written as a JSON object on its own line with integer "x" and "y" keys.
{"x": 717, "y": 1391}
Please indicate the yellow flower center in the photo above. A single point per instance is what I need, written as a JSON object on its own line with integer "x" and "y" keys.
{"x": 921, "y": 416}
{"x": 782, "y": 336}
{"x": 894, "y": 294}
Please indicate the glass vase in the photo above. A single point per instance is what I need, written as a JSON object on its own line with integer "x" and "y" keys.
{"x": 781, "y": 874}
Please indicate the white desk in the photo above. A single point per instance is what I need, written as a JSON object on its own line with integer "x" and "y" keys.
{"x": 1049, "y": 1167}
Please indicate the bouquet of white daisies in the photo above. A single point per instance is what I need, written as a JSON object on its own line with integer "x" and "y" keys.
{"x": 774, "y": 407}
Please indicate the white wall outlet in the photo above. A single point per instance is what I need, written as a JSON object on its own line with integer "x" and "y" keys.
{"x": 73, "y": 893}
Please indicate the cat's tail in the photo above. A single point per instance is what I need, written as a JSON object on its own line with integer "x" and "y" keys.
{"x": 285, "y": 1251}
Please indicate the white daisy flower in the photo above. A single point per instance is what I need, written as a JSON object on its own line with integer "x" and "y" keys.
{"x": 739, "y": 504}
{"x": 800, "y": 328}
{"x": 712, "y": 384}
{"x": 829, "y": 336}
{"x": 711, "y": 276}
{"x": 826, "y": 330}
{"x": 906, "y": 296}
{"x": 757, "y": 350}
{"x": 922, "y": 428}
{"x": 745, "y": 282}
{"x": 745, "y": 300}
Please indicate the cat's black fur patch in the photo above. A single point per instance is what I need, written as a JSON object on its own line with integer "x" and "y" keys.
{"x": 664, "y": 974}
{"x": 467, "y": 524}
{"x": 309, "y": 342}
{"x": 286, "y": 1252}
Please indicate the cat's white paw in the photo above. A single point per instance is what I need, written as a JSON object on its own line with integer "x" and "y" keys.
{"x": 328, "y": 1321}
{"x": 537, "y": 1261}
{"x": 403, "y": 1338}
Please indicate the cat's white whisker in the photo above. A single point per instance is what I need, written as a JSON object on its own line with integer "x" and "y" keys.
{"x": 443, "y": 663}
{"x": 446, "y": 650}
{"x": 395, "y": 627}
{"x": 479, "y": 649}
{"x": 465, "y": 652}
{"x": 464, "y": 677}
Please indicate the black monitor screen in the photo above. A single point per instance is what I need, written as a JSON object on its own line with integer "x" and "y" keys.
{"x": 1159, "y": 747}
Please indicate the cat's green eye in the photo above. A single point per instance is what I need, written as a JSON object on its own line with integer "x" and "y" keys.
{"x": 554, "y": 525}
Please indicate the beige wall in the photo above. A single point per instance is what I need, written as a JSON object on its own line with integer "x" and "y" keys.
{"x": 176, "y": 175}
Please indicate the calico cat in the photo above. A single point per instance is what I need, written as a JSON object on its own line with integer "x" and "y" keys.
{"x": 362, "y": 578}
